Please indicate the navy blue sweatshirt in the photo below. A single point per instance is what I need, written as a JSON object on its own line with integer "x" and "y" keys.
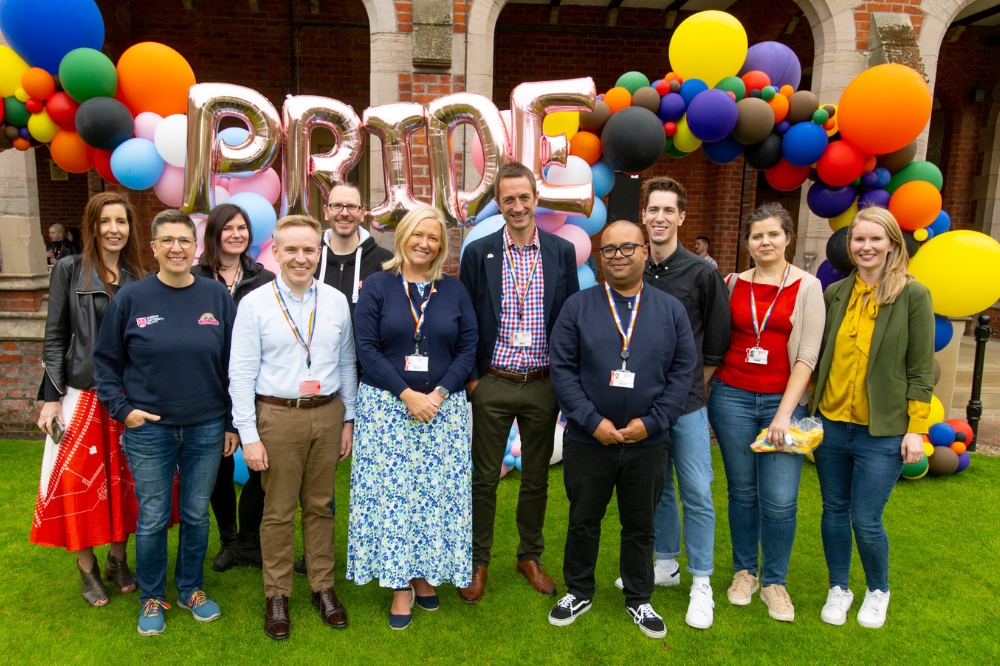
{"x": 585, "y": 347}
{"x": 383, "y": 333}
{"x": 165, "y": 351}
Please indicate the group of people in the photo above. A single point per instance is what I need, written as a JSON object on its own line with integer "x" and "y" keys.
{"x": 151, "y": 384}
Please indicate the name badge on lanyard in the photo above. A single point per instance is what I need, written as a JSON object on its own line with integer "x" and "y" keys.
{"x": 520, "y": 338}
{"x": 417, "y": 362}
{"x": 757, "y": 354}
{"x": 623, "y": 378}
{"x": 307, "y": 385}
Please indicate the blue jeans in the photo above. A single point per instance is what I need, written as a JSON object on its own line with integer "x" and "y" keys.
{"x": 763, "y": 487}
{"x": 857, "y": 473}
{"x": 154, "y": 452}
{"x": 690, "y": 452}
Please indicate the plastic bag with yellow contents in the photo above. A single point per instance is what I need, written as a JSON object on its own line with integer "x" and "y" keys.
{"x": 805, "y": 436}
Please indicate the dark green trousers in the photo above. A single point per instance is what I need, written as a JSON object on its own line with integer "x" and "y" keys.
{"x": 495, "y": 404}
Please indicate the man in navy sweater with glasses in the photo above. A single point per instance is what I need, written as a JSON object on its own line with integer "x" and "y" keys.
{"x": 622, "y": 358}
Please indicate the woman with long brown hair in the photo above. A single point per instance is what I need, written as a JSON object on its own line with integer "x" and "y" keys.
{"x": 85, "y": 497}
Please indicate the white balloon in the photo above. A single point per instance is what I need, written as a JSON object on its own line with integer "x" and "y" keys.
{"x": 171, "y": 139}
{"x": 221, "y": 195}
{"x": 576, "y": 172}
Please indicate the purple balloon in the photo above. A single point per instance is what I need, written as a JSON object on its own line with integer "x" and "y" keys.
{"x": 23, "y": 131}
{"x": 963, "y": 462}
{"x": 712, "y": 115}
{"x": 782, "y": 127}
{"x": 874, "y": 198}
{"x": 777, "y": 61}
{"x": 870, "y": 179}
{"x": 827, "y": 201}
{"x": 827, "y": 274}
{"x": 672, "y": 107}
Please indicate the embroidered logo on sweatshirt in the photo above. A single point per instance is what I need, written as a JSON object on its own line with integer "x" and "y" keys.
{"x": 143, "y": 322}
{"x": 209, "y": 319}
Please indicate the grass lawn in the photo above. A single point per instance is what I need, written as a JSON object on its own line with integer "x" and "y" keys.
{"x": 944, "y": 534}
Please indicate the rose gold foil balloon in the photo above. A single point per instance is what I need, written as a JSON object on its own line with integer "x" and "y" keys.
{"x": 394, "y": 125}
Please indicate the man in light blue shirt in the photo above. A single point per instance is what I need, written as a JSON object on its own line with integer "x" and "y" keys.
{"x": 293, "y": 382}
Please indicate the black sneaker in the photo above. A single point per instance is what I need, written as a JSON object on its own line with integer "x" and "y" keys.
{"x": 647, "y": 619}
{"x": 567, "y": 610}
{"x": 300, "y": 567}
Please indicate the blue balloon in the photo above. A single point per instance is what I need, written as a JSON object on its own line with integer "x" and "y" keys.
{"x": 672, "y": 107}
{"x": 43, "y": 31}
{"x": 234, "y": 136}
{"x": 136, "y": 164}
{"x": 240, "y": 473}
{"x": 593, "y": 224}
{"x": 509, "y": 460}
{"x": 517, "y": 462}
{"x": 963, "y": 462}
{"x": 827, "y": 201}
{"x": 490, "y": 209}
{"x": 586, "y": 277}
{"x": 604, "y": 178}
{"x": 943, "y": 331}
{"x": 724, "y": 151}
{"x": 827, "y": 274}
{"x": 941, "y": 224}
{"x": 804, "y": 143}
{"x": 712, "y": 115}
{"x": 870, "y": 179}
{"x": 883, "y": 177}
{"x": 874, "y": 198}
{"x": 691, "y": 89}
{"x": 941, "y": 434}
{"x": 482, "y": 229}
{"x": 782, "y": 128}
{"x": 261, "y": 212}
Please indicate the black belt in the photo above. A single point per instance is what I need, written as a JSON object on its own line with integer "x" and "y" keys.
{"x": 518, "y": 376}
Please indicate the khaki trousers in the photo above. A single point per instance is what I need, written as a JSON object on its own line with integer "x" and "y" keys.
{"x": 303, "y": 447}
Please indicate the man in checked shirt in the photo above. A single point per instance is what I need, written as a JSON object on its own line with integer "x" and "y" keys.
{"x": 518, "y": 278}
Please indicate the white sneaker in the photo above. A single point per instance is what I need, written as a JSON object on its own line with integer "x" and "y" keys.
{"x": 661, "y": 576}
{"x": 838, "y": 602}
{"x": 872, "y": 613}
{"x": 700, "y": 613}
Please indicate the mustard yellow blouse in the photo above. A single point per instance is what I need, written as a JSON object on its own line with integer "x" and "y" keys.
{"x": 845, "y": 398}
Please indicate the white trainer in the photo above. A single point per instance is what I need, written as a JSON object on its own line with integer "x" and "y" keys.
{"x": 872, "y": 613}
{"x": 838, "y": 602}
{"x": 700, "y": 610}
{"x": 661, "y": 576}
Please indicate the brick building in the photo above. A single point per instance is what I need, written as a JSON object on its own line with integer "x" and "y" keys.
{"x": 370, "y": 52}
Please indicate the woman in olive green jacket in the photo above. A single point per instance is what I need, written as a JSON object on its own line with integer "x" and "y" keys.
{"x": 873, "y": 390}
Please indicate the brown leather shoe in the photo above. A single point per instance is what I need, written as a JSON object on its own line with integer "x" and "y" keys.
{"x": 334, "y": 615}
{"x": 276, "y": 624}
{"x": 541, "y": 581}
{"x": 474, "y": 592}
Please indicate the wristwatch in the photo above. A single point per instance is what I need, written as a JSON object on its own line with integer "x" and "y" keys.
{"x": 445, "y": 393}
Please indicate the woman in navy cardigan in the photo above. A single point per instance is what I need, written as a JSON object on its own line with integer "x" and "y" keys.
{"x": 411, "y": 493}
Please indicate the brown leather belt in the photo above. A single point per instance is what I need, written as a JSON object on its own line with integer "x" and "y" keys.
{"x": 298, "y": 403}
{"x": 518, "y": 376}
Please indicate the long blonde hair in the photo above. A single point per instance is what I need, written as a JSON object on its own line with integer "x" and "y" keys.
{"x": 405, "y": 229}
{"x": 894, "y": 274}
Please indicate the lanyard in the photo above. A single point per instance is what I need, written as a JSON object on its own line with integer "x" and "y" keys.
{"x": 626, "y": 334}
{"x": 418, "y": 321}
{"x": 236, "y": 280}
{"x": 759, "y": 328}
{"x": 306, "y": 344}
{"x": 513, "y": 273}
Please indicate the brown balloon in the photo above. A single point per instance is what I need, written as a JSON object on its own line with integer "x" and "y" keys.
{"x": 647, "y": 98}
{"x": 943, "y": 462}
{"x": 801, "y": 106}
{"x": 896, "y": 161}
{"x": 593, "y": 121}
{"x": 754, "y": 122}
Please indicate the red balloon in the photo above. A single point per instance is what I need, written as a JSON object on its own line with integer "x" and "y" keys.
{"x": 663, "y": 87}
{"x": 34, "y": 105}
{"x": 841, "y": 164}
{"x": 669, "y": 129}
{"x": 756, "y": 80}
{"x": 102, "y": 162}
{"x": 961, "y": 427}
{"x": 62, "y": 110}
{"x": 785, "y": 176}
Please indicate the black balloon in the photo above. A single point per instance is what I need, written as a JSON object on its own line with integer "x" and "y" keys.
{"x": 836, "y": 252}
{"x": 5, "y": 142}
{"x": 764, "y": 154}
{"x": 912, "y": 244}
{"x": 104, "y": 123}
{"x": 632, "y": 139}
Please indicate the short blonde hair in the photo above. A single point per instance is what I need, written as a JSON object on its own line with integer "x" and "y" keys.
{"x": 297, "y": 221}
{"x": 405, "y": 229}
{"x": 895, "y": 273}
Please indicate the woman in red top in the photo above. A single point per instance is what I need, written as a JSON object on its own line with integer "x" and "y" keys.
{"x": 778, "y": 315}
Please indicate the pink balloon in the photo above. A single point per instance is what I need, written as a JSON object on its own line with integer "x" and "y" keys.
{"x": 266, "y": 257}
{"x": 145, "y": 125}
{"x": 515, "y": 448}
{"x": 477, "y": 153}
{"x": 580, "y": 240}
{"x": 550, "y": 222}
{"x": 504, "y": 469}
{"x": 170, "y": 187}
{"x": 267, "y": 184}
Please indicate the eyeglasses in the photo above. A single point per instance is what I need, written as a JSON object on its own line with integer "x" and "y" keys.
{"x": 167, "y": 242}
{"x": 336, "y": 208}
{"x": 627, "y": 250}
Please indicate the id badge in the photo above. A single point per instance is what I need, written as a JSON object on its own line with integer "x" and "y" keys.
{"x": 416, "y": 363}
{"x": 521, "y": 339}
{"x": 309, "y": 387}
{"x": 623, "y": 378}
{"x": 757, "y": 356}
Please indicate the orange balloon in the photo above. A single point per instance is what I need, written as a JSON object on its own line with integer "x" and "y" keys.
{"x": 957, "y": 447}
{"x": 618, "y": 99}
{"x": 71, "y": 153}
{"x": 21, "y": 144}
{"x": 884, "y": 108}
{"x": 915, "y": 204}
{"x": 587, "y": 146}
{"x": 154, "y": 77}
{"x": 786, "y": 90}
{"x": 38, "y": 83}
{"x": 870, "y": 163}
{"x": 779, "y": 105}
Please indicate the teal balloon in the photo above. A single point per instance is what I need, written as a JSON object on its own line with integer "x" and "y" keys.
{"x": 920, "y": 170}
{"x": 86, "y": 73}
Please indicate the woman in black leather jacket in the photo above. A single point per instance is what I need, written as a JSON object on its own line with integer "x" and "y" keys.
{"x": 226, "y": 258}
{"x": 86, "y": 496}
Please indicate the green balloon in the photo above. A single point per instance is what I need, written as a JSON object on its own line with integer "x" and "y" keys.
{"x": 668, "y": 143}
{"x": 919, "y": 170}
{"x": 820, "y": 116}
{"x": 86, "y": 73}
{"x": 914, "y": 470}
{"x": 15, "y": 112}
{"x": 672, "y": 151}
{"x": 632, "y": 81}
{"x": 768, "y": 93}
{"x": 733, "y": 84}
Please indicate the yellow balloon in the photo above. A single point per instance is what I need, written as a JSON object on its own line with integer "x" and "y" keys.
{"x": 844, "y": 218}
{"x": 937, "y": 411}
{"x": 710, "y": 46}
{"x": 41, "y": 126}
{"x": 928, "y": 449}
{"x": 21, "y": 95}
{"x": 11, "y": 69}
{"x": 561, "y": 122}
{"x": 684, "y": 140}
{"x": 920, "y": 235}
{"x": 961, "y": 269}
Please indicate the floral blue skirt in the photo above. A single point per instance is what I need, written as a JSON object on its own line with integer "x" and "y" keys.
{"x": 411, "y": 493}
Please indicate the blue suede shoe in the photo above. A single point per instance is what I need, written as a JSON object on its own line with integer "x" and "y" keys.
{"x": 429, "y": 603}
{"x": 151, "y": 622}
{"x": 400, "y": 622}
{"x": 202, "y": 608}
